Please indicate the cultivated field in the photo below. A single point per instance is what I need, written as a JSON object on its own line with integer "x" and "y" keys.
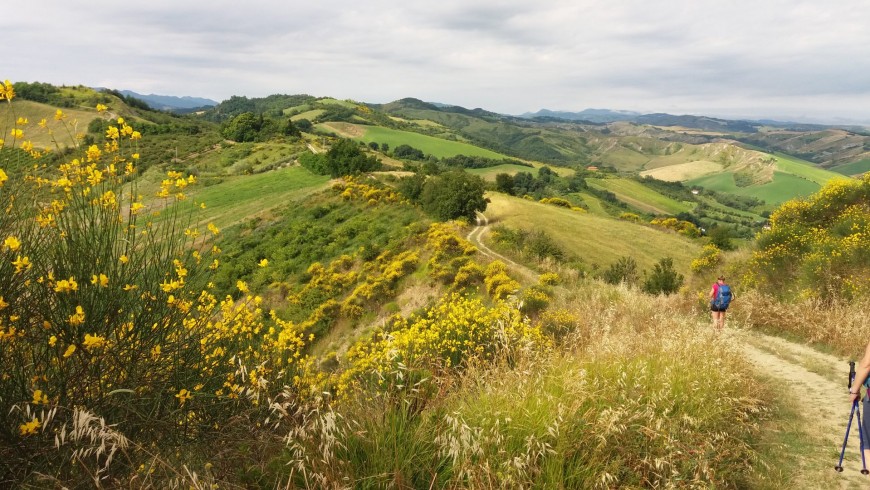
{"x": 641, "y": 197}
{"x": 594, "y": 239}
{"x": 429, "y": 145}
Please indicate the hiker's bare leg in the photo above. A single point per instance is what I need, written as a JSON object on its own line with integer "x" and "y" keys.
{"x": 721, "y": 320}
{"x": 715, "y": 315}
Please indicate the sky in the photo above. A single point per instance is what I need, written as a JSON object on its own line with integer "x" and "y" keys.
{"x": 782, "y": 59}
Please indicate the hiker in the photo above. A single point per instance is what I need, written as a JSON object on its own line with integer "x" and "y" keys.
{"x": 720, "y": 298}
{"x": 861, "y": 378}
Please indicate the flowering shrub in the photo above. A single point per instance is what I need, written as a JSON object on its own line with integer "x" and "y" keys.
{"x": 105, "y": 306}
{"x": 818, "y": 247}
{"x": 453, "y": 331}
{"x": 710, "y": 257}
{"x": 682, "y": 227}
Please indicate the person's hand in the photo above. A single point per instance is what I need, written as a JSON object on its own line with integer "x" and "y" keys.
{"x": 853, "y": 396}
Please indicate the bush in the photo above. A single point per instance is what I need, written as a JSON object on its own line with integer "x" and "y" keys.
{"x": 663, "y": 279}
{"x": 624, "y": 270}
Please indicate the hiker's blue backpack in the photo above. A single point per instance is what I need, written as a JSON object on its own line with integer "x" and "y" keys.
{"x": 723, "y": 297}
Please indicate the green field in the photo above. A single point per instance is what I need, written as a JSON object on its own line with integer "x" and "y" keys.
{"x": 310, "y": 115}
{"x": 641, "y": 197}
{"x": 595, "y": 239}
{"x": 802, "y": 168}
{"x": 489, "y": 173}
{"x": 239, "y": 198}
{"x": 429, "y": 145}
{"x": 784, "y": 187}
{"x": 854, "y": 168}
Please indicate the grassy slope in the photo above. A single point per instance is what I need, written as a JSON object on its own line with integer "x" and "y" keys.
{"x": 784, "y": 187}
{"x": 854, "y": 168}
{"x": 596, "y": 239}
{"x": 640, "y": 196}
{"x": 77, "y": 119}
{"x": 804, "y": 169}
{"x": 438, "y": 147}
{"x": 239, "y": 198}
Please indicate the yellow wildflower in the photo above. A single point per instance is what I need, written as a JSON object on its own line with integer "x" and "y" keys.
{"x": 243, "y": 286}
{"x": 22, "y": 121}
{"x": 101, "y": 108}
{"x": 3, "y": 176}
{"x": 112, "y": 133}
{"x": 100, "y": 280}
{"x": 124, "y": 259}
{"x": 16, "y": 133}
{"x": 136, "y": 207}
{"x": 3, "y": 304}
{"x": 52, "y": 340}
{"x": 183, "y": 396}
{"x": 213, "y": 229}
{"x": 94, "y": 341}
{"x": 21, "y": 264}
{"x": 66, "y": 285}
{"x": 130, "y": 287}
{"x": 59, "y": 115}
{"x": 12, "y": 243}
{"x": 39, "y": 398}
{"x": 69, "y": 351}
{"x": 94, "y": 153}
{"x": 264, "y": 263}
{"x": 7, "y": 91}
{"x": 29, "y": 428}
{"x": 43, "y": 123}
{"x": 78, "y": 317}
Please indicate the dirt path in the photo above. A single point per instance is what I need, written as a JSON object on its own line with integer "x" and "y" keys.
{"x": 815, "y": 384}
{"x": 475, "y": 236}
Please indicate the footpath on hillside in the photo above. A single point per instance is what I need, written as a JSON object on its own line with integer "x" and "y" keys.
{"x": 812, "y": 383}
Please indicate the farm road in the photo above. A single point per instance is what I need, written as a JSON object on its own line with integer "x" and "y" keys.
{"x": 815, "y": 386}
{"x": 476, "y": 238}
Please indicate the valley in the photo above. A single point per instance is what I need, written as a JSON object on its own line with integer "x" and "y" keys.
{"x": 414, "y": 295}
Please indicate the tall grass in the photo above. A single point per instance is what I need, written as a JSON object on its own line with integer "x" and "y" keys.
{"x": 634, "y": 396}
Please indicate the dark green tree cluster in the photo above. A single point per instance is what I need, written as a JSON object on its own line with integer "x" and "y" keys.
{"x": 273, "y": 105}
{"x": 446, "y": 196}
{"x": 344, "y": 158}
{"x": 409, "y": 152}
{"x": 452, "y": 195}
{"x": 251, "y": 127}
{"x": 464, "y": 161}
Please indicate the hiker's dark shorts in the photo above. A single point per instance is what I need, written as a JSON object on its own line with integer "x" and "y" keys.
{"x": 718, "y": 309}
{"x": 865, "y": 423}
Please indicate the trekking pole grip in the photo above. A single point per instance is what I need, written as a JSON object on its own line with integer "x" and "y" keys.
{"x": 851, "y": 374}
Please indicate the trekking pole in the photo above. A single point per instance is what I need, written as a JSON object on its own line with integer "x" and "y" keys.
{"x": 861, "y": 436}
{"x": 839, "y": 466}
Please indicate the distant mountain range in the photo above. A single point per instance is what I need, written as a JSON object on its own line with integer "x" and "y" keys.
{"x": 170, "y": 102}
{"x": 589, "y": 115}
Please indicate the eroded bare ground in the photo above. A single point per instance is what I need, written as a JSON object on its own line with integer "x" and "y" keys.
{"x": 816, "y": 386}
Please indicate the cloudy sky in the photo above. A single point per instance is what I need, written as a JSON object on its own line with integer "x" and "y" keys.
{"x": 801, "y": 59}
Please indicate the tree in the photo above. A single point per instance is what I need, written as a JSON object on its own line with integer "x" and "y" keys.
{"x": 412, "y": 186}
{"x": 453, "y": 195}
{"x": 346, "y": 158}
{"x": 504, "y": 183}
{"x": 407, "y": 151}
{"x": 664, "y": 279}
{"x": 244, "y": 127}
{"x": 374, "y": 145}
{"x": 721, "y": 237}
